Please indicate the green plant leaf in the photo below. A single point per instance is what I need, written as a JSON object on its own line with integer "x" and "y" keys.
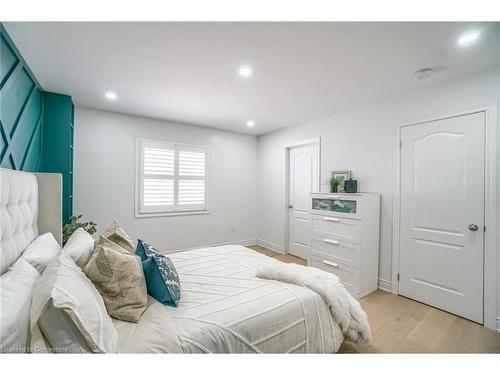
{"x": 74, "y": 223}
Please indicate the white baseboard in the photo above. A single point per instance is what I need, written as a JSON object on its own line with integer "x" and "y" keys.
{"x": 498, "y": 324}
{"x": 271, "y": 246}
{"x": 384, "y": 285}
{"x": 248, "y": 242}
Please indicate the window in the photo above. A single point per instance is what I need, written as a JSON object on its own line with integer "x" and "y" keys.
{"x": 172, "y": 178}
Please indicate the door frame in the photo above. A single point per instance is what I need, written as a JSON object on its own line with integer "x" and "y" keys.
{"x": 490, "y": 214}
{"x": 312, "y": 141}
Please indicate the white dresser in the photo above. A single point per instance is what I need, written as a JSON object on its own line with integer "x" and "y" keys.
{"x": 345, "y": 238}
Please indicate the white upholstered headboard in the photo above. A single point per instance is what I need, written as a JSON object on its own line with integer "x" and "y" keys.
{"x": 30, "y": 203}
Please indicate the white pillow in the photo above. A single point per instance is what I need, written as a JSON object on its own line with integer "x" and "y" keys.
{"x": 70, "y": 312}
{"x": 16, "y": 291}
{"x": 79, "y": 247}
{"x": 41, "y": 251}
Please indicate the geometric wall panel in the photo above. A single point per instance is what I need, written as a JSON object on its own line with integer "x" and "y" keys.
{"x": 36, "y": 127}
{"x": 20, "y": 110}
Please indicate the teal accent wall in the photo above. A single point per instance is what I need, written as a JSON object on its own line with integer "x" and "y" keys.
{"x": 36, "y": 127}
{"x": 21, "y": 110}
{"x": 57, "y": 156}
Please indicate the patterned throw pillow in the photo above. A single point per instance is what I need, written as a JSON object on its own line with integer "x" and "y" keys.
{"x": 162, "y": 279}
{"x": 116, "y": 234}
{"x": 119, "y": 278}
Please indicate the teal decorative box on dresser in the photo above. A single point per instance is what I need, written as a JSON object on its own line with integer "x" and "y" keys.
{"x": 58, "y": 131}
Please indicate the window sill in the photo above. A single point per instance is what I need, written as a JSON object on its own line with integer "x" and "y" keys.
{"x": 172, "y": 213}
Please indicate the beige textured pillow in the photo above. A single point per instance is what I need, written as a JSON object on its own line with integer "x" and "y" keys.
{"x": 119, "y": 278}
{"x": 116, "y": 234}
{"x": 113, "y": 245}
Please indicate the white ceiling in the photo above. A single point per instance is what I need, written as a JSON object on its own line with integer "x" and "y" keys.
{"x": 187, "y": 72}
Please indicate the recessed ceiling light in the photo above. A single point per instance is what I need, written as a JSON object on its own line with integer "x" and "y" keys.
{"x": 245, "y": 71}
{"x": 111, "y": 95}
{"x": 250, "y": 123}
{"x": 468, "y": 38}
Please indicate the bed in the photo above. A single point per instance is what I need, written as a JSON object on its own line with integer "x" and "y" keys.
{"x": 224, "y": 307}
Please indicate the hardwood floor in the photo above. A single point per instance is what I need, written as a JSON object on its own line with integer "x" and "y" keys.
{"x": 273, "y": 254}
{"x": 401, "y": 325}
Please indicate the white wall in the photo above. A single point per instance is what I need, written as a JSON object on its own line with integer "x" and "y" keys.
{"x": 104, "y": 172}
{"x": 246, "y": 187}
{"x": 363, "y": 140}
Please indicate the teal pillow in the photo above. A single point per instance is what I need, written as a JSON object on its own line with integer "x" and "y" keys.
{"x": 140, "y": 250}
{"x": 162, "y": 279}
{"x": 154, "y": 281}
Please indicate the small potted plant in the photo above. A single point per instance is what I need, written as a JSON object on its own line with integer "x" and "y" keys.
{"x": 334, "y": 185}
{"x": 74, "y": 224}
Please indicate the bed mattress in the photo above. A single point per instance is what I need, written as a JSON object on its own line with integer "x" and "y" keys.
{"x": 224, "y": 308}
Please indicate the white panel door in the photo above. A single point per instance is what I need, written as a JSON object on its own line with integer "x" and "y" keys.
{"x": 303, "y": 181}
{"x": 442, "y": 214}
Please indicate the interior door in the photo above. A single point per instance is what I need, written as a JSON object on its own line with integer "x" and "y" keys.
{"x": 442, "y": 214}
{"x": 304, "y": 180}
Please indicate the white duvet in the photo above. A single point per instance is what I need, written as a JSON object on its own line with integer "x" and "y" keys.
{"x": 225, "y": 308}
{"x": 346, "y": 311}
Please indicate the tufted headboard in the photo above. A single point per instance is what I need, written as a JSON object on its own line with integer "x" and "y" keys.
{"x": 30, "y": 203}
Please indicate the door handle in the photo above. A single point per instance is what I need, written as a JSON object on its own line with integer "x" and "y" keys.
{"x": 331, "y": 263}
{"x": 290, "y": 206}
{"x": 333, "y": 242}
{"x": 331, "y": 219}
{"x": 473, "y": 227}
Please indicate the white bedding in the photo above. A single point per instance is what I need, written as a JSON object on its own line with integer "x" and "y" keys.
{"x": 346, "y": 311}
{"x": 224, "y": 308}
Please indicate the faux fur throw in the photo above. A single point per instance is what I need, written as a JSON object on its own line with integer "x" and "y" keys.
{"x": 345, "y": 310}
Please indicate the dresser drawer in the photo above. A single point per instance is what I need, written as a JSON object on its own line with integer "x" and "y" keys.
{"x": 335, "y": 250}
{"x": 340, "y": 228}
{"x": 341, "y": 205}
{"x": 348, "y": 276}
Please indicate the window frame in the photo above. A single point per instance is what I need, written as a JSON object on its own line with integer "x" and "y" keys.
{"x": 156, "y": 211}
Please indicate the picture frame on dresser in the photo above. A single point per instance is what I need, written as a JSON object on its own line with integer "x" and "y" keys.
{"x": 344, "y": 238}
{"x": 341, "y": 177}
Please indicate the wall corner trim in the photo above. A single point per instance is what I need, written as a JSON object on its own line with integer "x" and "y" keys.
{"x": 271, "y": 246}
{"x": 384, "y": 285}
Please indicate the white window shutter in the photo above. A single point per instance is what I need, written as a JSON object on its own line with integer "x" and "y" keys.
{"x": 191, "y": 192}
{"x": 173, "y": 177}
{"x": 158, "y": 192}
{"x": 159, "y": 161}
{"x": 158, "y": 177}
{"x": 192, "y": 163}
{"x": 192, "y": 178}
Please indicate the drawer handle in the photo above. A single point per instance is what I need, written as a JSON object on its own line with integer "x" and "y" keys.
{"x": 333, "y": 242}
{"x": 334, "y": 219}
{"x": 331, "y": 263}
